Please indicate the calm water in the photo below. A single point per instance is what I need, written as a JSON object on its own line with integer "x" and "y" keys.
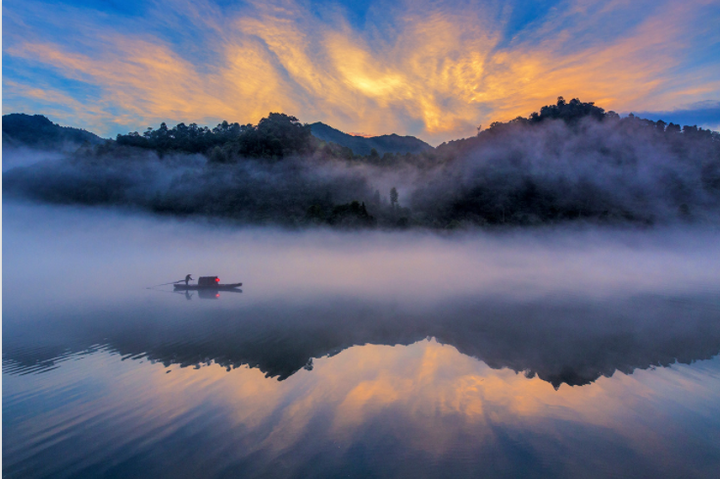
{"x": 555, "y": 353}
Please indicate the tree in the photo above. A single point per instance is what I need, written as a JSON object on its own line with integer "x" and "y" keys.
{"x": 393, "y": 197}
{"x": 276, "y": 136}
{"x": 672, "y": 128}
{"x": 352, "y": 214}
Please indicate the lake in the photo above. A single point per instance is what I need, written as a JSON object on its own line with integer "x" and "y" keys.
{"x": 549, "y": 352}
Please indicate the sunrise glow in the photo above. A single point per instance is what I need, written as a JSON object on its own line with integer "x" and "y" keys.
{"x": 436, "y": 70}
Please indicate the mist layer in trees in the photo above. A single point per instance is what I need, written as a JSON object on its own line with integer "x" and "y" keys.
{"x": 569, "y": 162}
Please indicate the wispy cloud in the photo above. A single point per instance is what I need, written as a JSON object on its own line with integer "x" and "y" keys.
{"x": 436, "y": 70}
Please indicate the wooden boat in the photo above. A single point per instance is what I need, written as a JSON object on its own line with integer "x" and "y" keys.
{"x": 207, "y": 283}
{"x": 217, "y": 287}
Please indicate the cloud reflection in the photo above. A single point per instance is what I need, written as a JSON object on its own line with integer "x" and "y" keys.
{"x": 425, "y": 403}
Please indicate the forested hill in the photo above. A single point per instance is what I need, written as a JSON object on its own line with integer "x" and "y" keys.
{"x": 39, "y": 132}
{"x": 364, "y": 145}
{"x": 568, "y": 162}
{"x": 274, "y": 137}
{"x": 576, "y": 115}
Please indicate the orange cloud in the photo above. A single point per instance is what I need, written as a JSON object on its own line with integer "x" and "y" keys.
{"x": 57, "y": 103}
{"x": 438, "y": 76}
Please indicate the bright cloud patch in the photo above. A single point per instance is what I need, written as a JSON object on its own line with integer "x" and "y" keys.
{"x": 436, "y": 71}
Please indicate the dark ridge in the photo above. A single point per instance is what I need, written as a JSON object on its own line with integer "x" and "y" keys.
{"x": 36, "y": 131}
{"x": 363, "y": 146}
{"x": 569, "y": 162}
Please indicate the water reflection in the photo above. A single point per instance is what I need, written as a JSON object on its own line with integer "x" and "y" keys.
{"x": 211, "y": 294}
{"x": 405, "y": 411}
{"x": 560, "y": 354}
{"x": 562, "y": 340}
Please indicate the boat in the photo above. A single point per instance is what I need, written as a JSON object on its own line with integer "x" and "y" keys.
{"x": 207, "y": 283}
{"x": 195, "y": 287}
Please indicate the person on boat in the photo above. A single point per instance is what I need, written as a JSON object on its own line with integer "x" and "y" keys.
{"x": 187, "y": 279}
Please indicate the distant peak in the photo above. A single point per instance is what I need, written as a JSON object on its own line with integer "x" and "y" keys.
{"x": 363, "y": 144}
{"x": 26, "y": 117}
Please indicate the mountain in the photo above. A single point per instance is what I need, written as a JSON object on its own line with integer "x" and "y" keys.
{"x": 362, "y": 146}
{"x": 36, "y": 131}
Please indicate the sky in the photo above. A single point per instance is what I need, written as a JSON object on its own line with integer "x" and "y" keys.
{"x": 433, "y": 69}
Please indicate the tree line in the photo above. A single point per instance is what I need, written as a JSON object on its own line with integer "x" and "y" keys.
{"x": 570, "y": 161}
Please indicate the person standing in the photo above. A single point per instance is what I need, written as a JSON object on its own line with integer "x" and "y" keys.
{"x": 187, "y": 279}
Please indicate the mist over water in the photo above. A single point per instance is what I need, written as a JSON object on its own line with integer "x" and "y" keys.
{"x": 115, "y": 251}
{"x": 555, "y": 352}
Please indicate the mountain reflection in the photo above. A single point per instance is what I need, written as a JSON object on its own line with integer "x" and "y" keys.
{"x": 570, "y": 340}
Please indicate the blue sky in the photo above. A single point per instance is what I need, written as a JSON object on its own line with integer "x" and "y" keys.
{"x": 433, "y": 69}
